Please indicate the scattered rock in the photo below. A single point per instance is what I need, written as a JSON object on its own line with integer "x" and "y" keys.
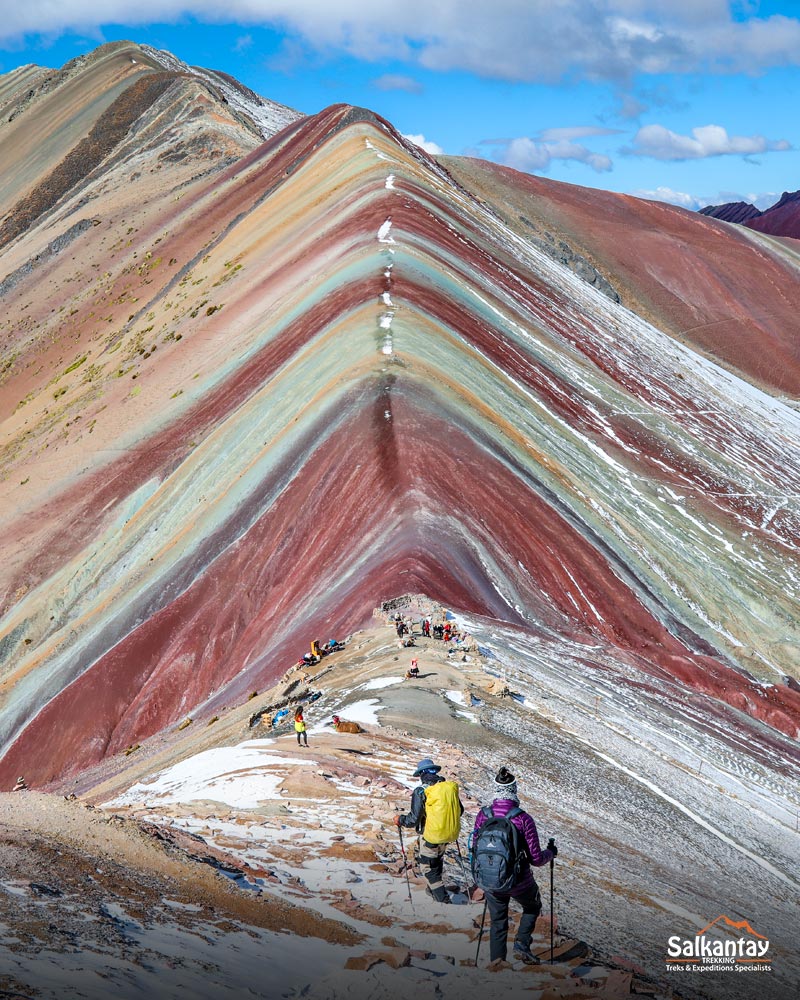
{"x": 363, "y": 911}
{"x": 350, "y": 852}
{"x": 498, "y": 965}
{"x": 617, "y": 984}
{"x": 395, "y": 958}
{"x": 626, "y": 963}
{"x": 44, "y": 890}
{"x": 570, "y": 992}
{"x": 361, "y": 963}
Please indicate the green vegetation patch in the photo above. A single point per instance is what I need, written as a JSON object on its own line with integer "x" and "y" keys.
{"x": 75, "y": 364}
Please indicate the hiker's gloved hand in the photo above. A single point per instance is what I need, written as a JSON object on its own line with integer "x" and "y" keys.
{"x": 397, "y": 821}
{"x": 551, "y": 846}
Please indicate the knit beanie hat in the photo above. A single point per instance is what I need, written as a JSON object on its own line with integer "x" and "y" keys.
{"x": 505, "y": 785}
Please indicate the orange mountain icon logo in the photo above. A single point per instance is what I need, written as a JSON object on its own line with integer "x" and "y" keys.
{"x": 739, "y": 925}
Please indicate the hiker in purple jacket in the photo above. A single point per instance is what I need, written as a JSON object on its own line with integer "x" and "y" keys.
{"x": 525, "y": 891}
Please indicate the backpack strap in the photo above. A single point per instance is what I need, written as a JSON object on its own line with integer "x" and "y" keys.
{"x": 520, "y": 837}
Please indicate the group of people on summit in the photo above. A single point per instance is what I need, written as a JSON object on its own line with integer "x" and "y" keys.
{"x": 505, "y": 846}
{"x": 444, "y": 630}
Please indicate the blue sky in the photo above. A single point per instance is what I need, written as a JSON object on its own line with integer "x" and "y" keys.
{"x": 689, "y": 101}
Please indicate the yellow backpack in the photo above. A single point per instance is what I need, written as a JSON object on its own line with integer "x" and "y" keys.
{"x": 442, "y": 813}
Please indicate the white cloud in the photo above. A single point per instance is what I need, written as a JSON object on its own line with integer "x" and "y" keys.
{"x": 507, "y": 39}
{"x": 696, "y": 202}
{"x": 430, "y": 147}
{"x": 530, "y": 155}
{"x": 762, "y": 201}
{"x": 630, "y": 106}
{"x": 661, "y": 143}
{"x": 666, "y": 194}
{"x": 395, "y": 81}
{"x": 574, "y": 132}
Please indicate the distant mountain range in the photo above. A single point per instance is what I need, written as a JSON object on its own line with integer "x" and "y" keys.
{"x": 782, "y": 219}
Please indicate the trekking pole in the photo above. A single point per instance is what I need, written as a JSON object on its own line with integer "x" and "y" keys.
{"x": 405, "y": 865}
{"x": 480, "y": 935}
{"x": 550, "y": 845}
{"x": 461, "y": 862}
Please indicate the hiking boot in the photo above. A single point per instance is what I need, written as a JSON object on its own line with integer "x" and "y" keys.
{"x": 435, "y": 898}
{"x": 444, "y": 899}
{"x": 526, "y": 956}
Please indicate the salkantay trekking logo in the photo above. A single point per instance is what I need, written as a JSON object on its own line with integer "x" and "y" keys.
{"x": 742, "y": 952}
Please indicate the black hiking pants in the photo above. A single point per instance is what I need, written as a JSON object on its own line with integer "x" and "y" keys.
{"x": 531, "y": 903}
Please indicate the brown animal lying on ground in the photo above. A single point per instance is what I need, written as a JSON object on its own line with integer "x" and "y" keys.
{"x": 346, "y": 727}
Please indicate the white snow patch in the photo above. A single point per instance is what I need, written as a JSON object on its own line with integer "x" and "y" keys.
{"x": 693, "y": 919}
{"x": 268, "y": 117}
{"x": 14, "y": 888}
{"x": 164, "y": 959}
{"x": 239, "y": 776}
{"x": 176, "y": 905}
{"x": 380, "y": 682}
{"x": 364, "y": 711}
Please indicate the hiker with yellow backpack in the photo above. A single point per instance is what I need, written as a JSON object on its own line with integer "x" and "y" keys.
{"x": 436, "y": 811}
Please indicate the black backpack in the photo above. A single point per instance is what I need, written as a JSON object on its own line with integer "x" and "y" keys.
{"x": 498, "y": 852}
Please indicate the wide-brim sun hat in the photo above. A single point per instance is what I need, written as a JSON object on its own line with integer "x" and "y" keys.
{"x": 426, "y": 765}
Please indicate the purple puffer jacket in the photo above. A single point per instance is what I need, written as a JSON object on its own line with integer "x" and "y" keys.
{"x": 538, "y": 856}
